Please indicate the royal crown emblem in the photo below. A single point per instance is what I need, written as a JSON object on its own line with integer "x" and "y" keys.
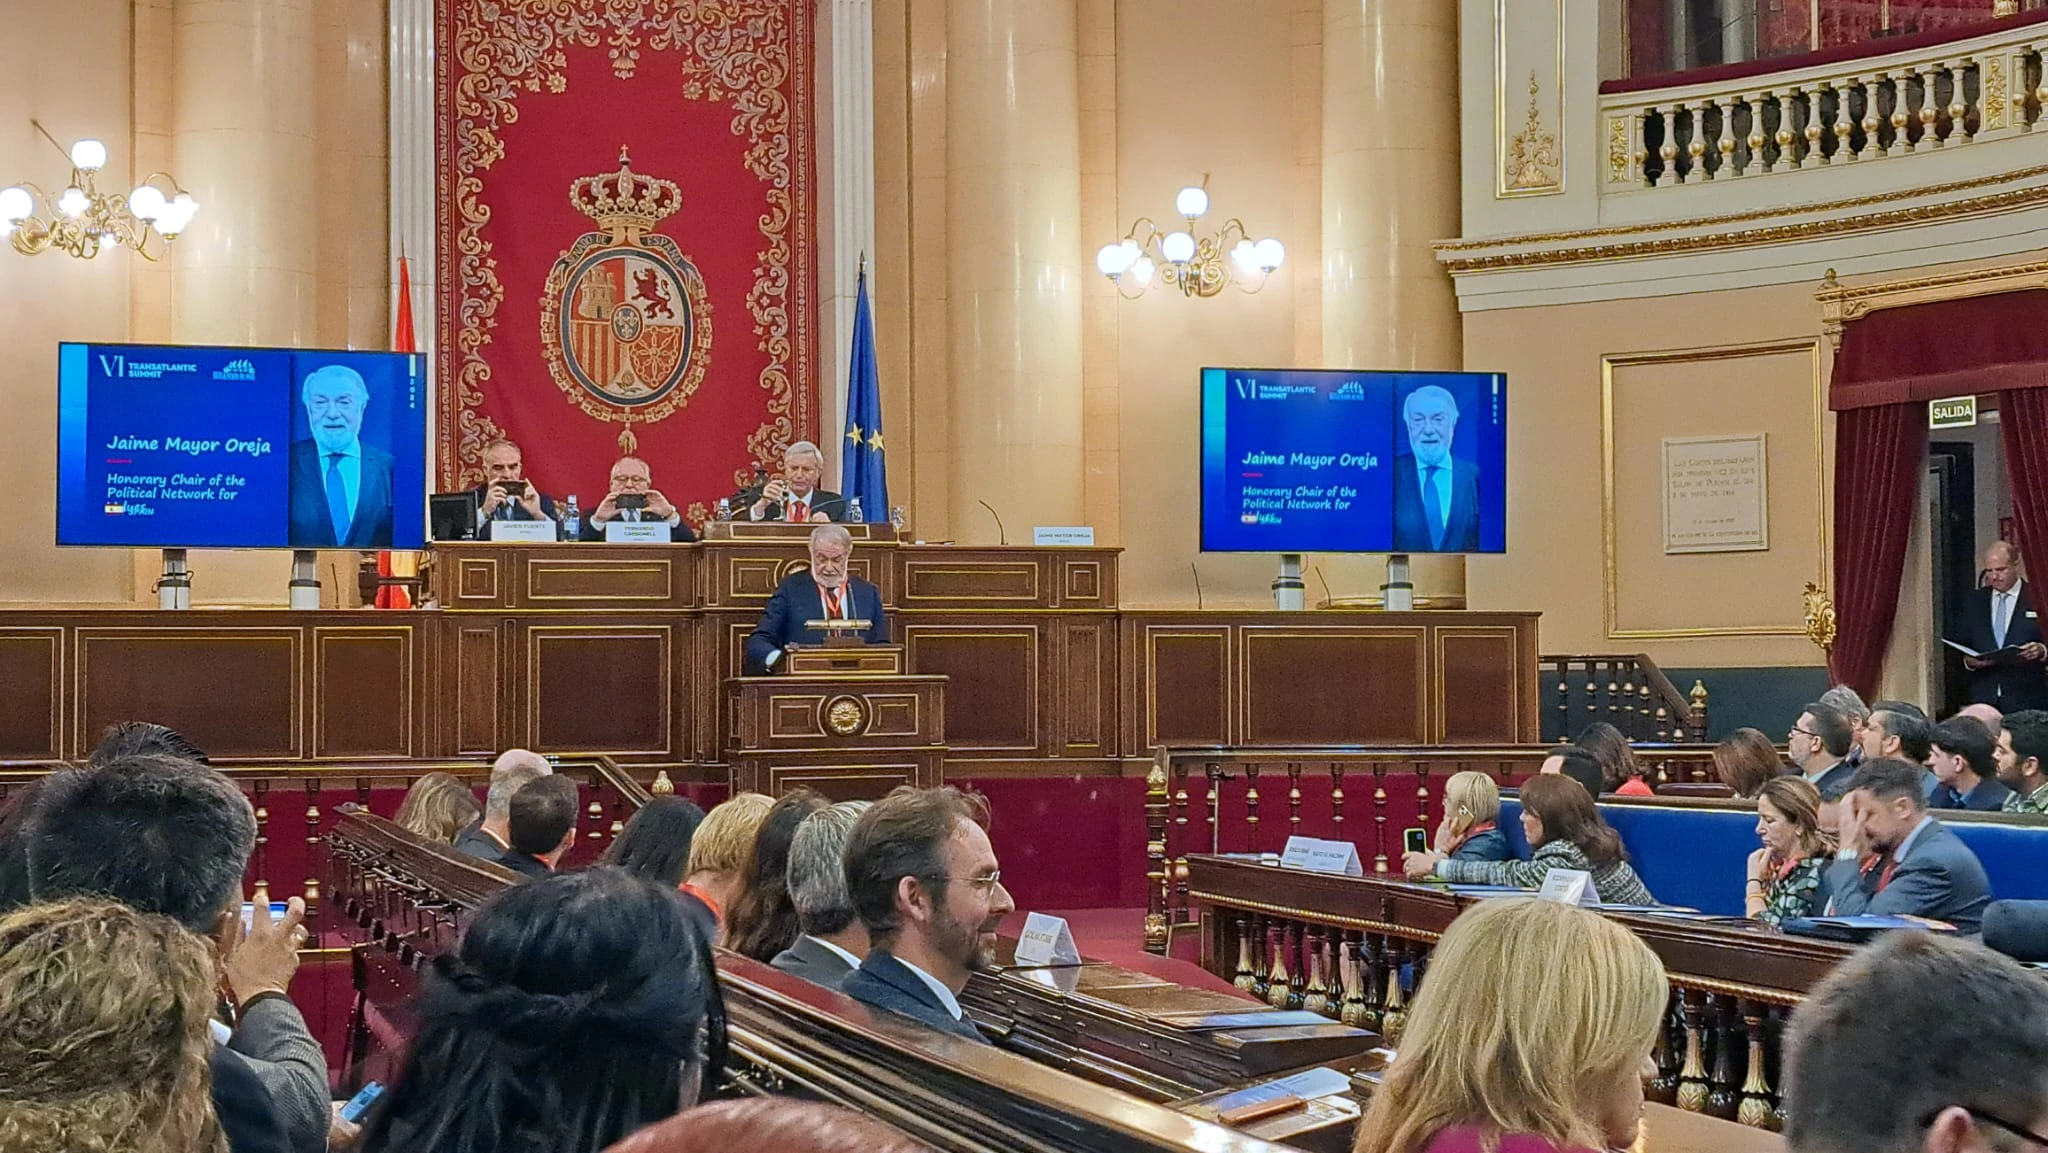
{"x": 625, "y": 321}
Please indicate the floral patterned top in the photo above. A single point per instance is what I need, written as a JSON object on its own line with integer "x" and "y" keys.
{"x": 1794, "y": 892}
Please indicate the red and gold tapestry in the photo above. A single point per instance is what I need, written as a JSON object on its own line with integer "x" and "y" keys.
{"x": 627, "y": 251}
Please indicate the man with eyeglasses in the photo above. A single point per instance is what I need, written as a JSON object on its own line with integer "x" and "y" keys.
{"x": 1817, "y": 744}
{"x": 633, "y": 499}
{"x": 1878, "y": 1063}
{"x": 925, "y": 881}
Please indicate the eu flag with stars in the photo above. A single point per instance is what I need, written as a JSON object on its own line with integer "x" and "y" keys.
{"x": 863, "y": 475}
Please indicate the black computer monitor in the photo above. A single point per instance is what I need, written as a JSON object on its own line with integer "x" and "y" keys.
{"x": 452, "y": 515}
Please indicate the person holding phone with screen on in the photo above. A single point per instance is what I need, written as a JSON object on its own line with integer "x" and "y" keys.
{"x": 505, "y": 493}
{"x": 633, "y": 499}
{"x": 1468, "y": 831}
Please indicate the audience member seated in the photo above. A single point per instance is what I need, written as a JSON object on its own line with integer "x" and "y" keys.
{"x": 14, "y": 820}
{"x": 1504, "y": 1053}
{"x": 136, "y": 738}
{"x": 1566, "y": 832}
{"x": 543, "y": 825}
{"x": 438, "y": 807}
{"x": 1470, "y": 830}
{"x": 1786, "y": 874}
{"x": 1896, "y": 859}
{"x": 172, "y": 837}
{"x": 1993, "y": 719}
{"x": 718, "y": 853}
{"x": 2023, "y": 760}
{"x": 1895, "y": 729}
{"x": 106, "y": 1044}
{"x": 781, "y": 1124}
{"x": 761, "y": 922}
{"x": 1965, "y": 762}
{"x": 575, "y": 1010}
{"x": 1819, "y": 741}
{"x": 1844, "y": 700}
{"x": 1620, "y": 772}
{"x": 656, "y": 840}
{"x": 925, "y": 880}
{"x": 1919, "y": 1044}
{"x": 833, "y": 940}
{"x": 491, "y": 837}
{"x": 1744, "y": 760}
{"x": 1576, "y": 763}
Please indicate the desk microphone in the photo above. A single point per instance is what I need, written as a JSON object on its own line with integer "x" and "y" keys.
{"x": 1198, "y": 584}
{"x": 1002, "y": 538}
{"x": 1329, "y": 598}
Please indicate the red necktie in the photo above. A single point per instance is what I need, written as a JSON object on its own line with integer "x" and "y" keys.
{"x": 797, "y": 513}
{"x": 1891, "y": 865}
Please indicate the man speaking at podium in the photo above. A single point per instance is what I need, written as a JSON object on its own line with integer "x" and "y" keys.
{"x": 825, "y": 592}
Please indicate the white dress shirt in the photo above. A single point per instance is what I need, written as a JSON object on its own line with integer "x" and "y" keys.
{"x": 945, "y": 995}
{"x": 852, "y": 962}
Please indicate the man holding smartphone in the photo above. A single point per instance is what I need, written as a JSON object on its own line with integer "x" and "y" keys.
{"x": 633, "y": 499}
{"x": 505, "y": 493}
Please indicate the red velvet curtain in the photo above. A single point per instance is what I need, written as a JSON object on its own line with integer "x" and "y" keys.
{"x": 1878, "y": 455}
{"x": 2023, "y": 426}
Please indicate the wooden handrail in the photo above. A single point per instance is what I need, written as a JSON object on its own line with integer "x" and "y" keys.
{"x": 1634, "y": 696}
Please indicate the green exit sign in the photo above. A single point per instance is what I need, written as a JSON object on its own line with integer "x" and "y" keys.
{"x": 1952, "y": 412}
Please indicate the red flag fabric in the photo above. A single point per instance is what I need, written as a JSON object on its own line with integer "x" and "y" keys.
{"x": 396, "y": 596}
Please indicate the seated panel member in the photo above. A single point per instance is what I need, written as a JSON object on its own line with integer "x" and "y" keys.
{"x": 825, "y": 592}
{"x": 1898, "y": 860}
{"x": 925, "y": 881}
{"x": 632, "y": 479}
{"x": 794, "y": 497}
{"x": 341, "y": 489}
{"x": 505, "y": 493}
{"x": 1965, "y": 761}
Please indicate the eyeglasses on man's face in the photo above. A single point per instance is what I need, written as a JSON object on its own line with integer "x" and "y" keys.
{"x": 1991, "y": 1119}
{"x": 986, "y": 884}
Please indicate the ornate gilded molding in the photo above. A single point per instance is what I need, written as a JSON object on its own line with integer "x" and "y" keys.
{"x": 1532, "y": 160}
{"x": 1841, "y": 303}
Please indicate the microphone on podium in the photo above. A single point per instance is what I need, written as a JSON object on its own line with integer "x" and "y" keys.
{"x": 1198, "y": 584}
{"x": 1329, "y": 598}
{"x": 1002, "y": 538}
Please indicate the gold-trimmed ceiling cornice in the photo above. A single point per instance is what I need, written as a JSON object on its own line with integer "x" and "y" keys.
{"x": 1800, "y": 230}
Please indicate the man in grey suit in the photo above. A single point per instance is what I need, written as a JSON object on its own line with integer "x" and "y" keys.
{"x": 1898, "y": 860}
{"x": 924, "y": 878}
{"x": 833, "y": 940}
{"x": 173, "y": 837}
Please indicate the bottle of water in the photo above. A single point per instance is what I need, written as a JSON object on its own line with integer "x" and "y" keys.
{"x": 724, "y": 509}
{"x": 572, "y": 521}
{"x": 853, "y": 512}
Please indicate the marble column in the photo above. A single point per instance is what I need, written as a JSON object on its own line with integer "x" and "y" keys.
{"x": 1015, "y": 265}
{"x": 243, "y": 134}
{"x": 1390, "y": 189}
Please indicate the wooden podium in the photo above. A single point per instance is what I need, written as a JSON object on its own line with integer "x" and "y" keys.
{"x": 845, "y": 720}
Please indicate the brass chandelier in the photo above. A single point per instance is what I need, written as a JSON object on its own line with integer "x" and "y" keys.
{"x": 1197, "y": 266}
{"x": 82, "y": 220}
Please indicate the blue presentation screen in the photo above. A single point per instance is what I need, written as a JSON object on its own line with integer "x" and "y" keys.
{"x": 191, "y": 447}
{"x": 1319, "y": 460}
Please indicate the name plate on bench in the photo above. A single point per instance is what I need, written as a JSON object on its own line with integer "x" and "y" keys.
{"x": 636, "y": 532}
{"x": 524, "y": 531}
{"x": 1320, "y": 856}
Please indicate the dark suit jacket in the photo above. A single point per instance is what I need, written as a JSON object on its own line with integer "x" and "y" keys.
{"x": 1411, "y": 522}
{"x": 547, "y": 505}
{"x": 272, "y": 1037}
{"x": 1833, "y": 783}
{"x": 680, "y": 533}
{"x": 813, "y": 962}
{"x": 886, "y": 983}
{"x": 2010, "y": 687}
{"x": 830, "y": 503}
{"x": 312, "y": 527}
{"x": 796, "y": 600}
{"x": 1988, "y": 797}
{"x": 248, "y": 1114}
{"x": 1940, "y": 877}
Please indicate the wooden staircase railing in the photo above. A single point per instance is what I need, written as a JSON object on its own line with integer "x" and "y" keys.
{"x": 1627, "y": 691}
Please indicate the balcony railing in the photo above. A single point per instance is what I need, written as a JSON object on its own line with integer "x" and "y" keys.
{"x": 1936, "y": 97}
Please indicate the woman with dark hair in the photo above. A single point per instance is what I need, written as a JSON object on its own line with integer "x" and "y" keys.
{"x": 577, "y": 1008}
{"x": 1566, "y": 832}
{"x": 762, "y": 922}
{"x": 1785, "y": 874}
{"x": 656, "y": 842}
{"x": 1745, "y": 759}
{"x": 1620, "y": 772}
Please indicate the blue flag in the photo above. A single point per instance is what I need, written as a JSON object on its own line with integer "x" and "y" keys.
{"x": 863, "y": 475}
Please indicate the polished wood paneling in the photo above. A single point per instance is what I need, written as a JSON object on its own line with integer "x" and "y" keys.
{"x": 479, "y": 582}
{"x": 1086, "y": 700}
{"x": 851, "y": 737}
{"x": 593, "y": 577}
{"x": 365, "y": 683}
{"x": 236, "y": 692}
{"x": 472, "y": 695}
{"x": 599, "y": 689}
{"x": 927, "y": 579}
{"x": 31, "y": 694}
{"x": 1181, "y": 691}
{"x": 992, "y": 681}
{"x": 1481, "y": 670}
{"x": 1345, "y": 686}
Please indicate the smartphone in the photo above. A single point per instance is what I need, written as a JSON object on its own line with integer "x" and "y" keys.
{"x": 1415, "y": 840}
{"x": 631, "y": 500}
{"x": 353, "y": 1111}
{"x": 277, "y": 911}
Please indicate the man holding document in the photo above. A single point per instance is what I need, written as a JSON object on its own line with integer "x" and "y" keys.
{"x": 2000, "y": 637}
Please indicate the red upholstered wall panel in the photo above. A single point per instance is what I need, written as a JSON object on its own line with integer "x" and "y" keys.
{"x": 578, "y": 324}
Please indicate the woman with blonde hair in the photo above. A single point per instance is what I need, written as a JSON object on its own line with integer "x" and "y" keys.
{"x": 1469, "y": 830}
{"x": 104, "y": 1042}
{"x": 1565, "y": 830}
{"x": 720, "y": 849}
{"x": 1785, "y": 874}
{"x": 1500, "y": 1055}
{"x": 438, "y": 807}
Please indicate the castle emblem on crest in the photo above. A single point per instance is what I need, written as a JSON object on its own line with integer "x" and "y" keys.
{"x": 625, "y": 322}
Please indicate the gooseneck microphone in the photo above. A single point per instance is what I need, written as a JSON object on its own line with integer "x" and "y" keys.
{"x": 1002, "y": 538}
{"x": 1329, "y": 598}
{"x": 1198, "y": 585}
